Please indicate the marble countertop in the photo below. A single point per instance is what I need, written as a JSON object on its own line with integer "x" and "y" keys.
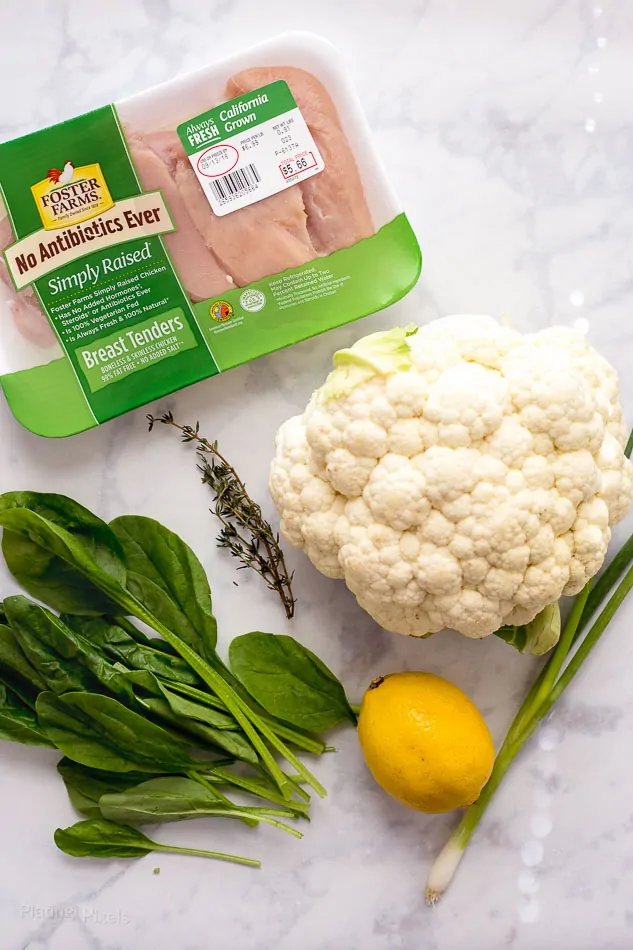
{"x": 507, "y": 129}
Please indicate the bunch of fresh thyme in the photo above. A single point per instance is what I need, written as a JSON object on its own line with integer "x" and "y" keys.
{"x": 245, "y": 531}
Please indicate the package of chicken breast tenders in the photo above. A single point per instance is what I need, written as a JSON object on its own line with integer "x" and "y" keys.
{"x": 172, "y": 236}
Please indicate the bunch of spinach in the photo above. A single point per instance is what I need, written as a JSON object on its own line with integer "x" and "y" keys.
{"x": 149, "y": 726}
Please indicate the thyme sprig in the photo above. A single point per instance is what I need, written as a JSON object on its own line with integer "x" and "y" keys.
{"x": 245, "y": 532}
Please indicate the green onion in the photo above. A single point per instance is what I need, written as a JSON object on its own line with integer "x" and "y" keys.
{"x": 547, "y": 688}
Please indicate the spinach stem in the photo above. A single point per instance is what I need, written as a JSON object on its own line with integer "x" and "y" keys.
{"x": 298, "y": 787}
{"x": 217, "y": 794}
{"x": 296, "y": 782}
{"x": 255, "y": 788}
{"x": 218, "y": 855}
{"x": 283, "y": 749}
{"x": 258, "y": 815}
{"x": 302, "y": 740}
{"x": 195, "y": 693}
{"x": 225, "y": 692}
{"x": 307, "y": 743}
{"x": 197, "y": 777}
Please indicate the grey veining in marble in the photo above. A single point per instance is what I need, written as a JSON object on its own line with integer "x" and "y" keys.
{"x": 508, "y": 131}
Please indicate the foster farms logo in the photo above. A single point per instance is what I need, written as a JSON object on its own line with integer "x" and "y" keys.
{"x": 71, "y": 195}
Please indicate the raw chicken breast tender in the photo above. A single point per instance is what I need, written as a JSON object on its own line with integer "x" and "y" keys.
{"x": 250, "y": 243}
{"x": 253, "y": 242}
{"x": 288, "y": 229}
{"x": 334, "y": 199}
{"x": 199, "y": 270}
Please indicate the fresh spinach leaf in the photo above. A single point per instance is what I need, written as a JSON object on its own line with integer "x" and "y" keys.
{"x": 26, "y": 696}
{"x": 16, "y": 670}
{"x": 125, "y": 729}
{"x": 194, "y": 723}
{"x": 76, "y": 737}
{"x": 141, "y": 682}
{"x": 200, "y": 712}
{"x": 21, "y": 725}
{"x": 162, "y": 607}
{"x": 157, "y": 558}
{"x": 9, "y": 698}
{"x": 51, "y": 579}
{"x": 96, "y": 782}
{"x": 161, "y": 799}
{"x": 56, "y": 519}
{"x": 65, "y": 660}
{"x": 82, "y": 804}
{"x": 98, "y": 838}
{"x": 299, "y": 737}
{"x": 206, "y": 698}
{"x": 111, "y": 638}
{"x": 157, "y": 643}
{"x": 86, "y": 786}
{"x": 289, "y": 681}
{"x": 56, "y": 548}
{"x": 178, "y": 799}
{"x": 235, "y": 743}
{"x": 18, "y": 723}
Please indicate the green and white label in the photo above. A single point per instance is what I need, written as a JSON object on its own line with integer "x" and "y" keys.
{"x": 250, "y": 148}
{"x": 110, "y": 358}
{"x": 89, "y": 241}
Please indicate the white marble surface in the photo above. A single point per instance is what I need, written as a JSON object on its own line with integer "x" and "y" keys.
{"x": 507, "y": 128}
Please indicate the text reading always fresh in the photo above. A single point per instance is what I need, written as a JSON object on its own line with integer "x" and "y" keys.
{"x": 232, "y": 117}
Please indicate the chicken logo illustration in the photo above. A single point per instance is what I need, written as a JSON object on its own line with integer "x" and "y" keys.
{"x": 71, "y": 194}
{"x": 61, "y": 178}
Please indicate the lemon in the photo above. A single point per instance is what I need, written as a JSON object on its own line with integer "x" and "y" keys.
{"x": 424, "y": 741}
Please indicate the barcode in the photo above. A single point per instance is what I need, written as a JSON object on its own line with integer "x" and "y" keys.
{"x": 236, "y": 183}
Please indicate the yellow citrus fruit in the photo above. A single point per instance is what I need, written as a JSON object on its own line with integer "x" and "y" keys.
{"x": 424, "y": 741}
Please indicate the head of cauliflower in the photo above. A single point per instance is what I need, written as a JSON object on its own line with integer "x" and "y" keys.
{"x": 457, "y": 475}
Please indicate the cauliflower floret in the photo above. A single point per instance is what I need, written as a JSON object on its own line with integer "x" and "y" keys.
{"x": 458, "y": 474}
{"x": 466, "y": 403}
